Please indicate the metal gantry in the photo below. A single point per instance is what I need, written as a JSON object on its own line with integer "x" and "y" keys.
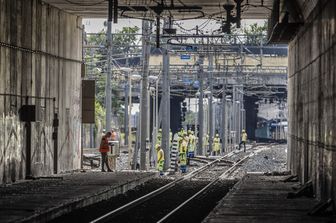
{"x": 227, "y": 81}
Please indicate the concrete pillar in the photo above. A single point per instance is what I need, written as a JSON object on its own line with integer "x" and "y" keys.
{"x": 144, "y": 93}
{"x": 224, "y": 118}
{"x": 165, "y": 106}
{"x": 108, "y": 90}
{"x": 44, "y": 78}
{"x": 127, "y": 115}
{"x": 200, "y": 106}
{"x": 234, "y": 115}
{"x": 211, "y": 113}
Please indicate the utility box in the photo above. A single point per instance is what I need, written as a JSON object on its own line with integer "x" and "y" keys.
{"x": 27, "y": 113}
{"x": 88, "y": 101}
{"x": 115, "y": 148}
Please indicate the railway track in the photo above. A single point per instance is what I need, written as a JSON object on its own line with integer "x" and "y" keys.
{"x": 205, "y": 186}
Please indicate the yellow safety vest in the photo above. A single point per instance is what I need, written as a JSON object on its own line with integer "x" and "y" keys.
{"x": 160, "y": 162}
{"x": 191, "y": 143}
{"x": 160, "y": 155}
{"x": 216, "y": 144}
{"x": 183, "y": 152}
{"x": 244, "y": 137}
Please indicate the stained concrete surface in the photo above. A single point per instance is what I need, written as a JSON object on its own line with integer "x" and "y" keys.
{"x": 259, "y": 198}
{"x": 311, "y": 98}
{"x": 40, "y": 64}
{"x": 47, "y": 198}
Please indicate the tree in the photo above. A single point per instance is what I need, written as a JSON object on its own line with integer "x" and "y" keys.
{"x": 125, "y": 40}
{"x": 99, "y": 112}
{"x": 255, "y": 33}
{"x": 96, "y": 59}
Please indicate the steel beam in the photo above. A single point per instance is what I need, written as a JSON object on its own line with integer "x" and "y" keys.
{"x": 224, "y": 119}
{"x": 200, "y": 106}
{"x": 211, "y": 126}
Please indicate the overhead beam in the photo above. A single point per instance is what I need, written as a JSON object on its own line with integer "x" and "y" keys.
{"x": 137, "y": 9}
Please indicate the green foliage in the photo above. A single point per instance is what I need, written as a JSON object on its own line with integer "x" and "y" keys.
{"x": 100, "y": 88}
{"x": 99, "y": 112}
{"x": 122, "y": 42}
{"x": 255, "y": 33}
{"x": 96, "y": 59}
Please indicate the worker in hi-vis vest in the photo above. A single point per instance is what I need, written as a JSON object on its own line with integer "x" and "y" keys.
{"x": 243, "y": 139}
{"x": 216, "y": 145}
{"x": 104, "y": 148}
{"x": 191, "y": 144}
{"x": 160, "y": 159}
{"x": 183, "y": 153}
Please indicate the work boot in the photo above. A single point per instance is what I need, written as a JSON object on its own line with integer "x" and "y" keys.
{"x": 109, "y": 170}
{"x": 103, "y": 170}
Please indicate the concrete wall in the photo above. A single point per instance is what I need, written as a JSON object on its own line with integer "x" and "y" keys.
{"x": 312, "y": 98}
{"x": 47, "y": 65}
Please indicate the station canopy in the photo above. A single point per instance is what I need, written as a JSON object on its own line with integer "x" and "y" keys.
{"x": 178, "y": 9}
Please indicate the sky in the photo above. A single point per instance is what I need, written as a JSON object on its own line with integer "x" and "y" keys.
{"x": 96, "y": 25}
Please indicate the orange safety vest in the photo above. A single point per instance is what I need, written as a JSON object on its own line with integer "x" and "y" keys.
{"x": 104, "y": 146}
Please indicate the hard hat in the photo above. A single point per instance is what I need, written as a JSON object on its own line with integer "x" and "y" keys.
{"x": 217, "y": 135}
{"x": 243, "y": 130}
{"x": 160, "y": 130}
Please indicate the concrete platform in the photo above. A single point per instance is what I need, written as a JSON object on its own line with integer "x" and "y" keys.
{"x": 47, "y": 198}
{"x": 260, "y": 198}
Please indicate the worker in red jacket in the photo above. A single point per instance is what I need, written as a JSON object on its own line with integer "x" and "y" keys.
{"x": 104, "y": 148}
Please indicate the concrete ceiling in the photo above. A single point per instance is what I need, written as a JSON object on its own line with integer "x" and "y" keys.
{"x": 252, "y": 9}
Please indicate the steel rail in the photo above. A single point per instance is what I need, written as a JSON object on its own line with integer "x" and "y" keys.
{"x": 170, "y": 214}
{"x": 156, "y": 192}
